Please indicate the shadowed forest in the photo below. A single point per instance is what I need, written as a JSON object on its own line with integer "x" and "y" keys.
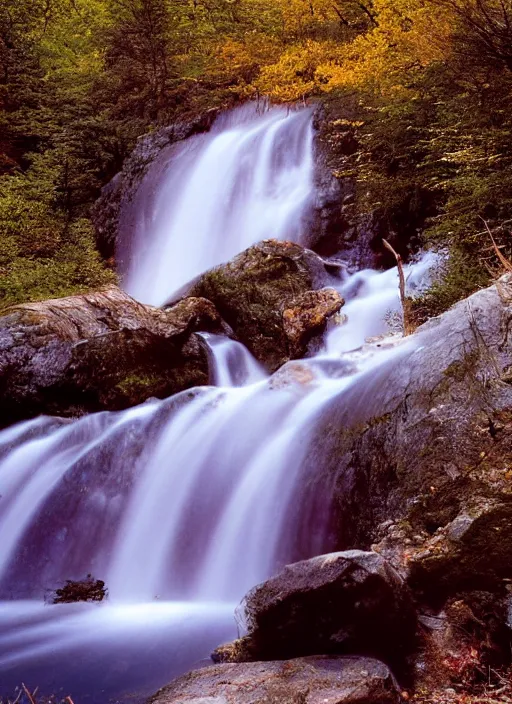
{"x": 424, "y": 86}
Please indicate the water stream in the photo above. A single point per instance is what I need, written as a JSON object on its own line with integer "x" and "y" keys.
{"x": 181, "y": 505}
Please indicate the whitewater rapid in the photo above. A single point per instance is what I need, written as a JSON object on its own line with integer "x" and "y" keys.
{"x": 182, "y": 505}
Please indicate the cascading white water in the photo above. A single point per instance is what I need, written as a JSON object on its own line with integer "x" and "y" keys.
{"x": 181, "y": 505}
{"x": 249, "y": 179}
{"x": 231, "y": 363}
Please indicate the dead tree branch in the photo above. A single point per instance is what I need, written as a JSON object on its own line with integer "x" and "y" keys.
{"x": 507, "y": 265}
{"x": 406, "y": 306}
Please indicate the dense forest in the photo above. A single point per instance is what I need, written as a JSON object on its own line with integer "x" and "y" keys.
{"x": 428, "y": 80}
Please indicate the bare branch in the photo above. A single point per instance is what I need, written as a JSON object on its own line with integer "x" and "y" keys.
{"x": 406, "y": 308}
{"x": 507, "y": 265}
{"x": 30, "y": 697}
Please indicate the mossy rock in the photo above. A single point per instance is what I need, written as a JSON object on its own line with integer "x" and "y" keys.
{"x": 262, "y": 290}
{"x": 100, "y": 351}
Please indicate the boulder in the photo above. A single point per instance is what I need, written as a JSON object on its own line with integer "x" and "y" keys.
{"x": 345, "y": 602}
{"x": 268, "y": 296}
{"x": 99, "y": 351}
{"x": 419, "y": 453}
{"x": 312, "y": 680}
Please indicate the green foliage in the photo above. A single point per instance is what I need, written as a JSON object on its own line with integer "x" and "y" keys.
{"x": 43, "y": 253}
{"x": 80, "y": 80}
{"x": 458, "y": 277}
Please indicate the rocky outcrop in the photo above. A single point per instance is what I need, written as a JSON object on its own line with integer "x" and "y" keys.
{"x": 314, "y": 680}
{"x": 421, "y": 450}
{"x": 346, "y": 602}
{"x": 106, "y": 212}
{"x": 343, "y": 223}
{"x": 99, "y": 351}
{"x": 106, "y": 351}
{"x": 266, "y": 295}
{"x": 417, "y": 458}
{"x": 416, "y": 461}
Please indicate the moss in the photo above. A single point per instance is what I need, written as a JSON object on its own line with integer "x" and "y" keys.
{"x": 252, "y": 291}
{"x": 240, "y": 650}
{"x": 138, "y": 384}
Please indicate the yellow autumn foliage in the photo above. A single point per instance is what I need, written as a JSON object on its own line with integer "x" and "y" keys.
{"x": 243, "y": 58}
{"x": 293, "y": 76}
{"x": 383, "y": 59}
{"x": 403, "y": 36}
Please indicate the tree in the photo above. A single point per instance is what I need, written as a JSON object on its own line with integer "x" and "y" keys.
{"x": 137, "y": 56}
{"x": 482, "y": 30}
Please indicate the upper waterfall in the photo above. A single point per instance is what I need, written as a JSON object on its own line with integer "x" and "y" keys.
{"x": 202, "y": 202}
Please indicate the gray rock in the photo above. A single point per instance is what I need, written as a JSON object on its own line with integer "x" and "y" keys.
{"x": 384, "y": 451}
{"x": 345, "y": 602}
{"x": 313, "y": 680}
{"x": 99, "y": 351}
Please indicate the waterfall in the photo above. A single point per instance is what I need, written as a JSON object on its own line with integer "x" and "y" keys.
{"x": 181, "y": 505}
{"x": 231, "y": 364}
{"x": 202, "y": 202}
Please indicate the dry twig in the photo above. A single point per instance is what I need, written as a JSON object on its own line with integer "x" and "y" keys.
{"x": 507, "y": 265}
{"x": 30, "y": 697}
{"x": 408, "y": 325}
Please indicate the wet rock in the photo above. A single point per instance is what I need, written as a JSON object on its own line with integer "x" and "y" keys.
{"x": 338, "y": 225}
{"x": 426, "y": 439}
{"x": 99, "y": 351}
{"x": 312, "y": 680}
{"x": 346, "y": 602}
{"x": 343, "y": 221}
{"x": 266, "y": 294}
{"x": 88, "y": 589}
{"x": 471, "y": 549}
{"x": 307, "y": 315}
{"x": 120, "y": 191}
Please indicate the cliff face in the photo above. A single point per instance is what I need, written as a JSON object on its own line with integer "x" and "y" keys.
{"x": 345, "y": 223}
